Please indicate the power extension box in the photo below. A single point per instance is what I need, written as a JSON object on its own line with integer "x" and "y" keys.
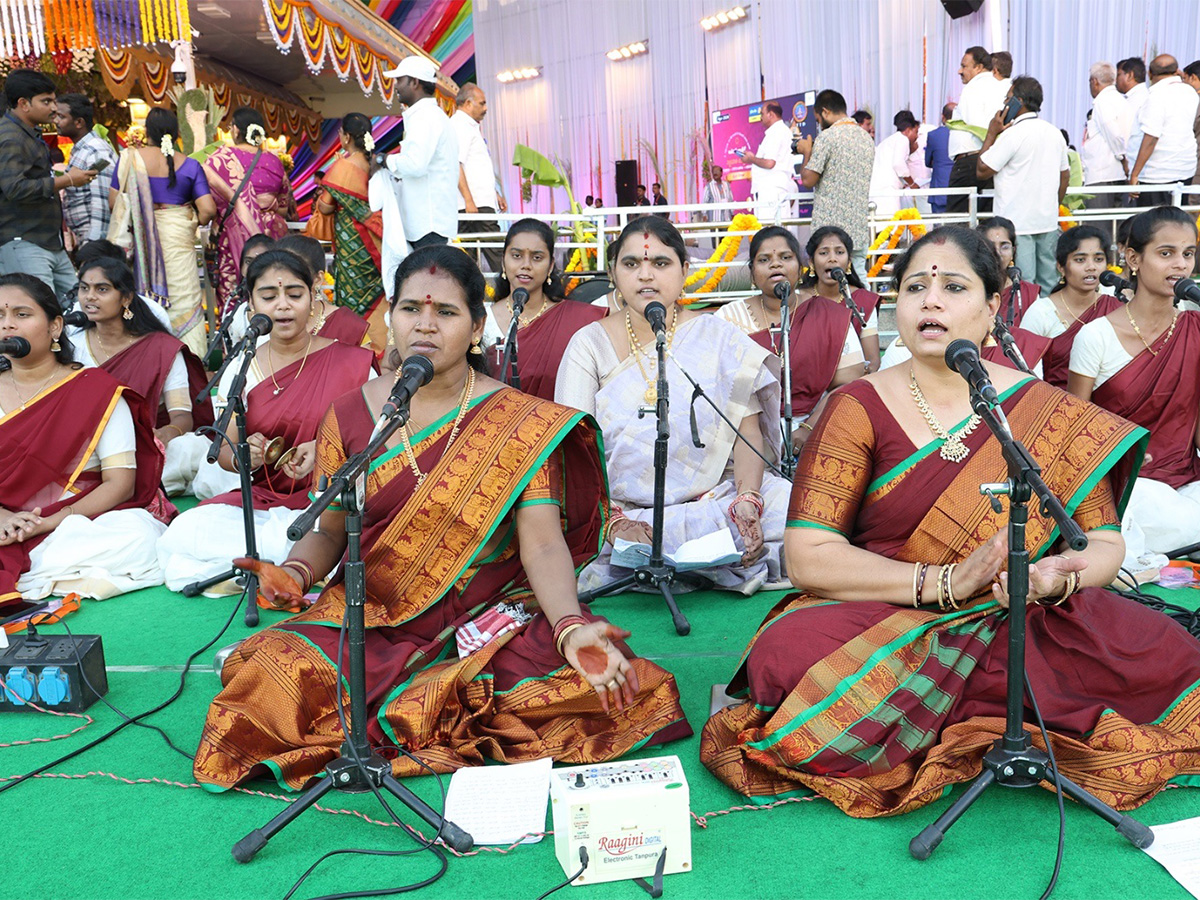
{"x": 46, "y": 670}
{"x": 626, "y": 814}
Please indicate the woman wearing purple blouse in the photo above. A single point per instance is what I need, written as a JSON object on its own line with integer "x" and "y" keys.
{"x": 168, "y": 198}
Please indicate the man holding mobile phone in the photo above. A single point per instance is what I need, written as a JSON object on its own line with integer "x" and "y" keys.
{"x": 85, "y": 207}
{"x": 1027, "y": 157}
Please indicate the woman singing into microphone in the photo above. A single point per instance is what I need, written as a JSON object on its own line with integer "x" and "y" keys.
{"x": 610, "y": 370}
{"x": 883, "y": 681}
{"x": 78, "y": 464}
{"x": 477, "y": 516}
{"x": 294, "y": 377}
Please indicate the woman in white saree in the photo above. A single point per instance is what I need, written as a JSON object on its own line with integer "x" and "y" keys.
{"x": 609, "y": 370}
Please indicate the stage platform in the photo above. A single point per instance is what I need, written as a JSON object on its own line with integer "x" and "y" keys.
{"x": 82, "y": 831}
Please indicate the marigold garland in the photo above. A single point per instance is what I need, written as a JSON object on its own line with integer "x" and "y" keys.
{"x": 905, "y": 220}
{"x": 1066, "y": 220}
{"x": 718, "y": 264}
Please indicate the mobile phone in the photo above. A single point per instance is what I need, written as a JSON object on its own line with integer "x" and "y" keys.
{"x": 13, "y": 610}
{"x": 739, "y": 153}
{"x": 99, "y": 165}
{"x": 1010, "y": 109}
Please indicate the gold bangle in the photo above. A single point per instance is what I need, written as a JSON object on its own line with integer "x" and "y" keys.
{"x": 805, "y": 425}
{"x": 916, "y": 596}
{"x": 1069, "y": 588}
{"x": 562, "y": 638}
{"x": 950, "y": 585}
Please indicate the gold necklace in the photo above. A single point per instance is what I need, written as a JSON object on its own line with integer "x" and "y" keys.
{"x": 271, "y": 362}
{"x": 522, "y": 321}
{"x": 17, "y": 390}
{"x": 635, "y": 350}
{"x": 1138, "y": 331}
{"x": 953, "y": 448}
{"x": 99, "y": 343}
{"x": 767, "y": 324}
{"x": 406, "y": 441}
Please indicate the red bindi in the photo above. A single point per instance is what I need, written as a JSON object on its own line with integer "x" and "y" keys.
{"x": 433, "y": 269}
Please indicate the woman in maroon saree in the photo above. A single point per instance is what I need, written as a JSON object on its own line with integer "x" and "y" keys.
{"x": 829, "y": 248}
{"x": 883, "y": 682}
{"x": 547, "y": 323}
{"x": 338, "y": 323}
{"x": 824, "y": 346}
{"x": 293, "y": 379}
{"x": 1082, "y": 257}
{"x": 1001, "y": 233}
{"x": 1139, "y": 362}
{"x": 458, "y": 670}
{"x": 78, "y": 464}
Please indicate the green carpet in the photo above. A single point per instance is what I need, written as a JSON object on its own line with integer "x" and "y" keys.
{"x": 95, "y": 837}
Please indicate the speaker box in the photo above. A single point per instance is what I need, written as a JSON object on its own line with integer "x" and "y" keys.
{"x": 627, "y": 181}
{"x": 959, "y": 8}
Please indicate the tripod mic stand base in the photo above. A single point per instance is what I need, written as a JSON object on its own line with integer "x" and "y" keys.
{"x": 1024, "y": 767}
{"x": 344, "y": 774}
{"x": 657, "y": 578}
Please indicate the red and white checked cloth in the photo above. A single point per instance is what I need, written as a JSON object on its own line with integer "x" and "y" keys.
{"x": 489, "y": 625}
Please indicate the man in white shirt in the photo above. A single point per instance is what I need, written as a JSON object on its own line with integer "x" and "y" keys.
{"x": 476, "y": 175}
{"x": 1002, "y": 65}
{"x": 771, "y": 177}
{"x": 1027, "y": 157}
{"x": 981, "y": 96}
{"x": 427, "y": 161}
{"x": 1131, "y": 82}
{"x": 1168, "y": 150}
{"x": 1104, "y": 139}
{"x": 890, "y": 173}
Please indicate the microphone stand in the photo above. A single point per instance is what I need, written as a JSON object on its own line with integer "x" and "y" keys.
{"x": 357, "y": 769}
{"x": 788, "y": 458}
{"x": 508, "y": 363}
{"x": 241, "y": 454}
{"x": 656, "y": 573}
{"x": 1014, "y": 295}
{"x": 844, "y": 290}
{"x": 1013, "y": 761}
{"x": 1008, "y": 344}
{"x": 222, "y": 336}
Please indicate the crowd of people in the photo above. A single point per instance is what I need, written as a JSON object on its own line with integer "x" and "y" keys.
{"x": 877, "y": 684}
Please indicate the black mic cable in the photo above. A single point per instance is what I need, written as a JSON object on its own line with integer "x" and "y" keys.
{"x": 1009, "y": 344}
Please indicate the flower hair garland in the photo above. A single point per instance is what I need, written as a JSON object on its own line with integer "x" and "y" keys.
{"x": 368, "y": 142}
{"x": 255, "y": 135}
{"x": 167, "y": 145}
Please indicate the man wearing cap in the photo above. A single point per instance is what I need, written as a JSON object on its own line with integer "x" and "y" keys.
{"x": 427, "y": 162}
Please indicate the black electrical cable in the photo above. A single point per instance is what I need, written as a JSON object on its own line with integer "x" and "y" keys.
{"x": 384, "y": 892}
{"x": 31, "y": 629}
{"x": 1053, "y": 769}
{"x": 1188, "y": 618}
{"x": 135, "y": 719}
{"x": 583, "y": 859}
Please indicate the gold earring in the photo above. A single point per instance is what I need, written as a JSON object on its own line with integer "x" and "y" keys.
{"x": 549, "y": 278}
{"x": 128, "y": 314}
{"x": 55, "y": 346}
{"x": 476, "y": 350}
{"x": 619, "y": 298}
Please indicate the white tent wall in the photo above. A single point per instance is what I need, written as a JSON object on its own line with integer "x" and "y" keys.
{"x": 588, "y": 111}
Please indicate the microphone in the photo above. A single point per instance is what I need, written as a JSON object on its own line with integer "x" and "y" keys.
{"x": 844, "y": 286}
{"x": 14, "y": 347}
{"x": 656, "y": 315}
{"x": 416, "y": 372}
{"x": 1014, "y": 274}
{"x": 519, "y": 298}
{"x": 76, "y": 318}
{"x": 783, "y": 290}
{"x": 1111, "y": 279}
{"x": 260, "y": 324}
{"x": 963, "y": 357}
{"x": 1186, "y": 289}
{"x": 1009, "y": 344}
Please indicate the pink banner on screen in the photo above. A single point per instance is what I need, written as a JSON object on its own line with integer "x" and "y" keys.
{"x": 741, "y": 128}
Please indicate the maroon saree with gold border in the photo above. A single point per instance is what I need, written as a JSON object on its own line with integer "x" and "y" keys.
{"x": 436, "y": 555}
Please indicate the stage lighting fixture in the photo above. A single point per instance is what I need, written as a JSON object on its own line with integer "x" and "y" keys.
{"x": 723, "y": 18}
{"x": 637, "y": 48}
{"x": 522, "y": 74}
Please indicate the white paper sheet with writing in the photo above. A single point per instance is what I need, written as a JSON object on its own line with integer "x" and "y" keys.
{"x": 1177, "y": 848}
{"x": 501, "y": 804}
{"x": 715, "y": 549}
